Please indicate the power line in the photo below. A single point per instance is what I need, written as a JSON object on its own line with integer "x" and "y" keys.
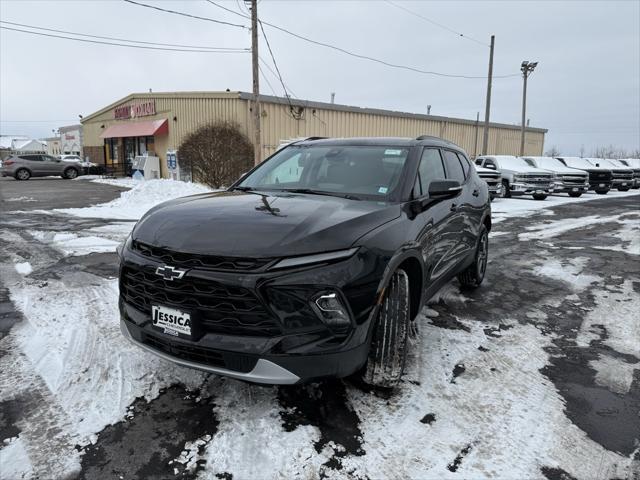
{"x": 293, "y": 94}
{"x": 416, "y": 14}
{"x": 117, "y": 44}
{"x": 361, "y": 56}
{"x": 166, "y": 10}
{"x": 267, "y": 80}
{"x": 124, "y": 39}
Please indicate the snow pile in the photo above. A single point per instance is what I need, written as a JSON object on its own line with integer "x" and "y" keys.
{"x": 72, "y": 244}
{"x": 134, "y": 203}
{"x": 23, "y": 268}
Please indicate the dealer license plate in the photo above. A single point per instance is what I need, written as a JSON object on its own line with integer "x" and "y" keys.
{"x": 574, "y": 189}
{"x": 624, "y": 184}
{"x": 539, "y": 192}
{"x": 601, "y": 185}
{"x": 172, "y": 321}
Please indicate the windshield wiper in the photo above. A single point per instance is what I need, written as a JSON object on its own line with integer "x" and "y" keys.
{"x": 243, "y": 189}
{"x": 321, "y": 192}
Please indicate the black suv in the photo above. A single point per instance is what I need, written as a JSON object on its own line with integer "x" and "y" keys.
{"x": 312, "y": 265}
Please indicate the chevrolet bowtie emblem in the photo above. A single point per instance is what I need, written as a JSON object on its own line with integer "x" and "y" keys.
{"x": 169, "y": 273}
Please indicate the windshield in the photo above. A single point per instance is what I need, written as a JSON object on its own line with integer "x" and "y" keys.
{"x": 548, "y": 162}
{"x": 358, "y": 171}
{"x": 512, "y": 162}
{"x": 577, "y": 162}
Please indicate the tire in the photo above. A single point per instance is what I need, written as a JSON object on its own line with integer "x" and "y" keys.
{"x": 575, "y": 194}
{"x": 505, "y": 192}
{"x": 602, "y": 192}
{"x": 539, "y": 196}
{"x": 623, "y": 189}
{"x": 388, "y": 351}
{"x": 22, "y": 174}
{"x": 473, "y": 276}
{"x": 70, "y": 173}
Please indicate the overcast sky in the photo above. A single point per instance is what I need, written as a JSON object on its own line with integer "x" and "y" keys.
{"x": 586, "y": 89}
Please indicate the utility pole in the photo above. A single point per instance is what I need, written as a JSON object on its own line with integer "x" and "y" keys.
{"x": 526, "y": 68}
{"x": 257, "y": 149}
{"x": 475, "y": 147}
{"x": 485, "y": 136}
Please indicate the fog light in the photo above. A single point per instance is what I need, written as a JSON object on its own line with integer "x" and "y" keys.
{"x": 329, "y": 307}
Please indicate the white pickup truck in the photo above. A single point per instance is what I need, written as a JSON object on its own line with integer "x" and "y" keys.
{"x": 568, "y": 180}
{"x": 518, "y": 177}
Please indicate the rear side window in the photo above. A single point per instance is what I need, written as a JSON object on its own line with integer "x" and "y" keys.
{"x": 454, "y": 167}
{"x": 465, "y": 163}
{"x": 430, "y": 169}
{"x": 33, "y": 158}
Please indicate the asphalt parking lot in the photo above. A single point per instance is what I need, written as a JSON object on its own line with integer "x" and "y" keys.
{"x": 536, "y": 374}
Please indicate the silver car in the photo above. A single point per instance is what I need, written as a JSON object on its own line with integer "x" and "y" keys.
{"x": 23, "y": 167}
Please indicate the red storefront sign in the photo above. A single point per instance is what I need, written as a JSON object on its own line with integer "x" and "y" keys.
{"x": 136, "y": 110}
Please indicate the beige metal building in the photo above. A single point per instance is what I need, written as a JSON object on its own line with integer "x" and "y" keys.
{"x": 158, "y": 122}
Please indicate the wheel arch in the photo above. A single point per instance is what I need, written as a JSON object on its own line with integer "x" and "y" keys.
{"x": 411, "y": 262}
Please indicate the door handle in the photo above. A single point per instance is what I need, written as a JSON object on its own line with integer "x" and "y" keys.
{"x": 454, "y": 207}
{"x": 475, "y": 193}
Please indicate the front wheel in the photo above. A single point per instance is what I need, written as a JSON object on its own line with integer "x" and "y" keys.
{"x": 388, "y": 352}
{"x": 575, "y": 194}
{"x": 474, "y": 274}
{"x": 505, "y": 192}
{"x": 70, "y": 173}
{"x": 539, "y": 196}
{"x": 623, "y": 189}
{"x": 602, "y": 192}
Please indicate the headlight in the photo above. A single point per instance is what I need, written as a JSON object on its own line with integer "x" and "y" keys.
{"x": 316, "y": 258}
{"x": 331, "y": 310}
{"x": 120, "y": 247}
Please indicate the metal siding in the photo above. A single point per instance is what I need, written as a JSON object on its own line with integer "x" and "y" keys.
{"x": 197, "y": 109}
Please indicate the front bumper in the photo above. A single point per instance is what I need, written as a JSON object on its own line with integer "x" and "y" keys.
{"x": 303, "y": 349}
{"x": 523, "y": 188}
{"x": 560, "y": 187}
{"x": 619, "y": 182}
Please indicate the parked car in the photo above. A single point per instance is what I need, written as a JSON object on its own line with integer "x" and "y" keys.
{"x": 314, "y": 264}
{"x": 567, "y": 180}
{"x": 493, "y": 179}
{"x": 518, "y": 177}
{"x": 633, "y": 164}
{"x": 600, "y": 179}
{"x": 622, "y": 176}
{"x": 71, "y": 158}
{"x": 23, "y": 167}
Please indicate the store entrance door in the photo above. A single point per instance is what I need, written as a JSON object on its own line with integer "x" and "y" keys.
{"x": 129, "y": 153}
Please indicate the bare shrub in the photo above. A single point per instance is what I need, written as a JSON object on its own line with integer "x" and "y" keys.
{"x": 217, "y": 154}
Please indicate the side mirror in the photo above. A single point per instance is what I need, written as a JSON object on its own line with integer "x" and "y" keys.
{"x": 444, "y": 188}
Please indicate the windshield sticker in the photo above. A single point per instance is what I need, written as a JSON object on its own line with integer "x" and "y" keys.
{"x": 393, "y": 152}
{"x": 382, "y": 190}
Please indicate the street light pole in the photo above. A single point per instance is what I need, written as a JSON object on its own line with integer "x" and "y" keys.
{"x": 526, "y": 68}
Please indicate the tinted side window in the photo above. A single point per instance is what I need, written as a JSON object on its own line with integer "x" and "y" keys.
{"x": 454, "y": 167}
{"x": 430, "y": 169}
{"x": 33, "y": 158}
{"x": 465, "y": 164}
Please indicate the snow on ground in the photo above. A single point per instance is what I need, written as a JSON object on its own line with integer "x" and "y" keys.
{"x": 613, "y": 373}
{"x": 503, "y": 208}
{"x": 134, "y": 203}
{"x": 23, "y": 268}
{"x": 14, "y": 461}
{"x": 72, "y": 244}
{"x": 570, "y": 271}
{"x": 20, "y": 199}
{"x": 558, "y": 227}
{"x": 623, "y": 337}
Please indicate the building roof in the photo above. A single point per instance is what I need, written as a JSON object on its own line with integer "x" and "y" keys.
{"x": 6, "y": 141}
{"x": 301, "y": 103}
{"x": 68, "y": 128}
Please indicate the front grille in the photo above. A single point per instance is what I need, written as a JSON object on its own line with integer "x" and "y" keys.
{"x": 622, "y": 176}
{"x": 574, "y": 179}
{"x": 216, "y": 307}
{"x": 214, "y": 358}
{"x": 188, "y": 260}
{"x": 602, "y": 177}
{"x": 535, "y": 179}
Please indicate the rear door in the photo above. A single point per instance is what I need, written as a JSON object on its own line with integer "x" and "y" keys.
{"x": 434, "y": 222}
{"x": 458, "y": 230}
{"x": 34, "y": 163}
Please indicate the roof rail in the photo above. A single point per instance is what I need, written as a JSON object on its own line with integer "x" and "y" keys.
{"x": 431, "y": 137}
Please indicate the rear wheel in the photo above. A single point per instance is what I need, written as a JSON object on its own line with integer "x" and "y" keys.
{"x": 70, "y": 173}
{"x": 474, "y": 274}
{"x": 575, "y": 194}
{"x": 505, "y": 192}
{"x": 539, "y": 196}
{"x": 23, "y": 174}
{"x": 388, "y": 351}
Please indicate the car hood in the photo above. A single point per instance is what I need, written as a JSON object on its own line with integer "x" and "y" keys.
{"x": 565, "y": 170}
{"x": 248, "y": 224}
{"x": 523, "y": 169}
{"x": 482, "y": 170}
